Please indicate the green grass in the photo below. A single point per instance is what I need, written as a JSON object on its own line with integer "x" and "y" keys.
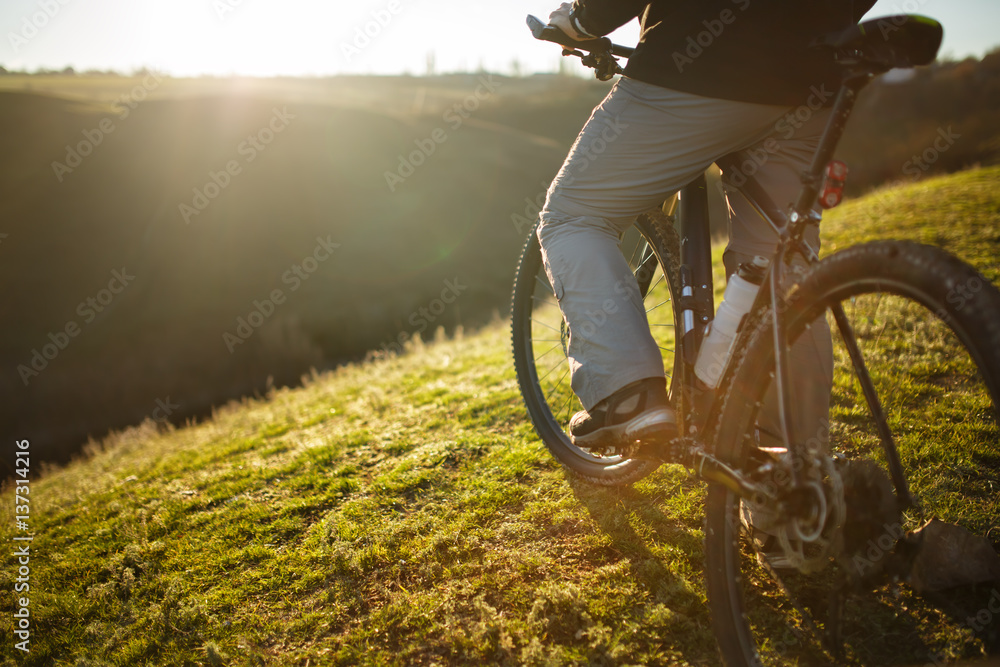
{"x": 400, "y": 511}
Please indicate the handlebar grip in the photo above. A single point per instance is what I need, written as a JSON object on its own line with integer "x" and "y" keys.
{"x": 549, "y": 33}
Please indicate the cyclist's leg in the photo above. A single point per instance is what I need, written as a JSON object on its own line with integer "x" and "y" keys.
{"x": 639, "y": 146}
{"x": 777, "y": 163}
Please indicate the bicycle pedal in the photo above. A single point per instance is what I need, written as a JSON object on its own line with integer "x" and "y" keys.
{"x": 665, "y": 449}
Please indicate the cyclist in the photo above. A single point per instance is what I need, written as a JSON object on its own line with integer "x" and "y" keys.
{"x": 708, "y": 78}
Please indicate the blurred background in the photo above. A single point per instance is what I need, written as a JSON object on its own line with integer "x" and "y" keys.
{"x": 203, "y": 199}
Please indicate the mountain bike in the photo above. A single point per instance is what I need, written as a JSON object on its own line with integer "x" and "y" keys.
{"x": 843, "y": 573}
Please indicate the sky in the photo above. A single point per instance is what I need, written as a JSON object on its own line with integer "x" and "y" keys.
{"x": 323, "y": 37}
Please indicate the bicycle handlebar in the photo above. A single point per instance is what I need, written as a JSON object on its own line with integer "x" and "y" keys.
{"x": 550, "y": 33}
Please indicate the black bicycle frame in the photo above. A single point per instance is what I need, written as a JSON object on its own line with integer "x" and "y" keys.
{"x": 697, "y": 308}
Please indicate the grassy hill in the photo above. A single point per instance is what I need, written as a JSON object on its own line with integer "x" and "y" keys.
{"x": 154, "y": 194}
{"x": 399, "y": 511}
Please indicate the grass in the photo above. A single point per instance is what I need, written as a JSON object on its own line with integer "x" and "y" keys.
{"x": 396, "y": 512}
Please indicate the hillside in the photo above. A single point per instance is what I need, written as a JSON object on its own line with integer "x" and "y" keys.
{"x": 209, "y": 196}
{"x": 399, "y": 511}
{"x": 359, "y": 200}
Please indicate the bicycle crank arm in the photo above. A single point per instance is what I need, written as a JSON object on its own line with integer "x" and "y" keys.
{"x": 691, "y": 454}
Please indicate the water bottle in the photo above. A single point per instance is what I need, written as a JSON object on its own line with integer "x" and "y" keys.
{"x": 736, "y": 302}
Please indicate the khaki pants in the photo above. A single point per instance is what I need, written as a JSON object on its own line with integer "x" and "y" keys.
{"x": 642, "y": 144}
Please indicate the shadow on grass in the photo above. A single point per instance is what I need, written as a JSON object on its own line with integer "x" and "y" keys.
{"x": 661, "y": 550}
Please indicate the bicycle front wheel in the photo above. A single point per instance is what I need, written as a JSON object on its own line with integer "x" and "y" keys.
{"x": 540, "y": 338}
{"x": 928, "y": 330}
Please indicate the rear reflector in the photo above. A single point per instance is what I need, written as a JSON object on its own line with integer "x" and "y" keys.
{"x": 833, "y": 186}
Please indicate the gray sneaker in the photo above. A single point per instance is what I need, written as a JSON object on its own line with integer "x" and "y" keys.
{"x": 636, "y": 411}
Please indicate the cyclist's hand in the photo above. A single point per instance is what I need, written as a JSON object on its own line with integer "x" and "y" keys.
{"x": 560, "y": 19}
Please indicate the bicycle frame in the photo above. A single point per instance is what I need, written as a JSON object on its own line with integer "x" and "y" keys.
{"x": 697, "y": 305}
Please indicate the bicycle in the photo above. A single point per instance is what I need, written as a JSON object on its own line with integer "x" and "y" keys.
{"x": 851, "y": 524}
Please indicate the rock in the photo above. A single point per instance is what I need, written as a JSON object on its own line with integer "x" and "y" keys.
{"x": 950, "y": 556}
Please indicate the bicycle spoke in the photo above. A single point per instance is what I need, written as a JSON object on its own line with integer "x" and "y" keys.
{"x": 549, "y": 372}
{"x": 548, "y": 397}
{"x": 658, "y": 281}
{"x": 547, "y": 326}
{"x": 568, "y": 407}
{"x": 644, "y": 284}
{"x": 544, "y": 354}
{"x": 545, "y": 285}
{"x": 874, "y": 404}
{"x": 635, "y": 249}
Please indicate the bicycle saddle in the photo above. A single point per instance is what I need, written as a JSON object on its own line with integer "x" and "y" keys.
{"x": 905, "y": 40}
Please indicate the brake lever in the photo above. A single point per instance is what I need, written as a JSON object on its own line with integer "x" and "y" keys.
{"x": 600, "y": 51}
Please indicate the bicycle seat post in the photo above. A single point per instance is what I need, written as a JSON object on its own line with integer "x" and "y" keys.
{"x": 812, "y": 180}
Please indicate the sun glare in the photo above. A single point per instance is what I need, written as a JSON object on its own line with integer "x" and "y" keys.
{"x": 302, "y": 37}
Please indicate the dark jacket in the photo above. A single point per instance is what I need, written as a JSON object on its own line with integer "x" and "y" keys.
{"x": 747, "y": 50}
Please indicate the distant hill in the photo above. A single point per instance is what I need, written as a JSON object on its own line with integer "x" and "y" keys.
{"x": 302, "y": 175}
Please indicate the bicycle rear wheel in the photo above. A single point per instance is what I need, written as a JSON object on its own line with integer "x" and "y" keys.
{"x": 540, "y": 337}
{"x": 928, "y": 328}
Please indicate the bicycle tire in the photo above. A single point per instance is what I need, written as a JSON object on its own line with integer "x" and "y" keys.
{"x": 533, "y": 303}
{"x": 945, "y": 307}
